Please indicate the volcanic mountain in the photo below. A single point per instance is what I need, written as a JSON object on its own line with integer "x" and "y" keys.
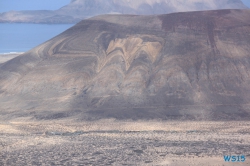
{"x": 186, "y": 66}
{"x": 77, "y": 10}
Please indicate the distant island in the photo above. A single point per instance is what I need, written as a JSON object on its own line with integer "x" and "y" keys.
{"x": 78, "y": 10}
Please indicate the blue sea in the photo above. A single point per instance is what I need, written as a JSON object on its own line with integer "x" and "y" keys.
{"x": 19, "y": 37}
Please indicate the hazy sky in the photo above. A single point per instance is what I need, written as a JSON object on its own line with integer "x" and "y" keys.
{"x": 246, "y": 2}
{"x": 7, "y": 5}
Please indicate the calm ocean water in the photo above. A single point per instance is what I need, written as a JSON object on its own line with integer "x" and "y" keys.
{"x": 23, "y": 37}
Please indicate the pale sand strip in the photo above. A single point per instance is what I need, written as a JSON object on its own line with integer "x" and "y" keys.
{"x": 9, "y": 56}
{"x": 153, "y": 125}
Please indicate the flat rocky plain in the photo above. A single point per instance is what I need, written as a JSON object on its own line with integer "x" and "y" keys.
{"x": 112, "y": 142}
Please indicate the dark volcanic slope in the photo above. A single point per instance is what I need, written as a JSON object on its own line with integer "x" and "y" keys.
{"x": 192, "y": 65}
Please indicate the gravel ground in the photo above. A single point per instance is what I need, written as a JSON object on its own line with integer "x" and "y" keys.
{"x": 23, "y": 144}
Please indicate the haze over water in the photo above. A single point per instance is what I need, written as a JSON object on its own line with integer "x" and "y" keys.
{"x": 16, "y": 37}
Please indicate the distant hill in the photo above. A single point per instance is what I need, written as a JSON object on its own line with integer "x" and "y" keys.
{"x": 81, "y": 9}
{"x": 186, "y": 66}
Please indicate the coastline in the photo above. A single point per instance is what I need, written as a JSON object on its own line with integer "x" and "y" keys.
{"x": 4, "y": 57}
